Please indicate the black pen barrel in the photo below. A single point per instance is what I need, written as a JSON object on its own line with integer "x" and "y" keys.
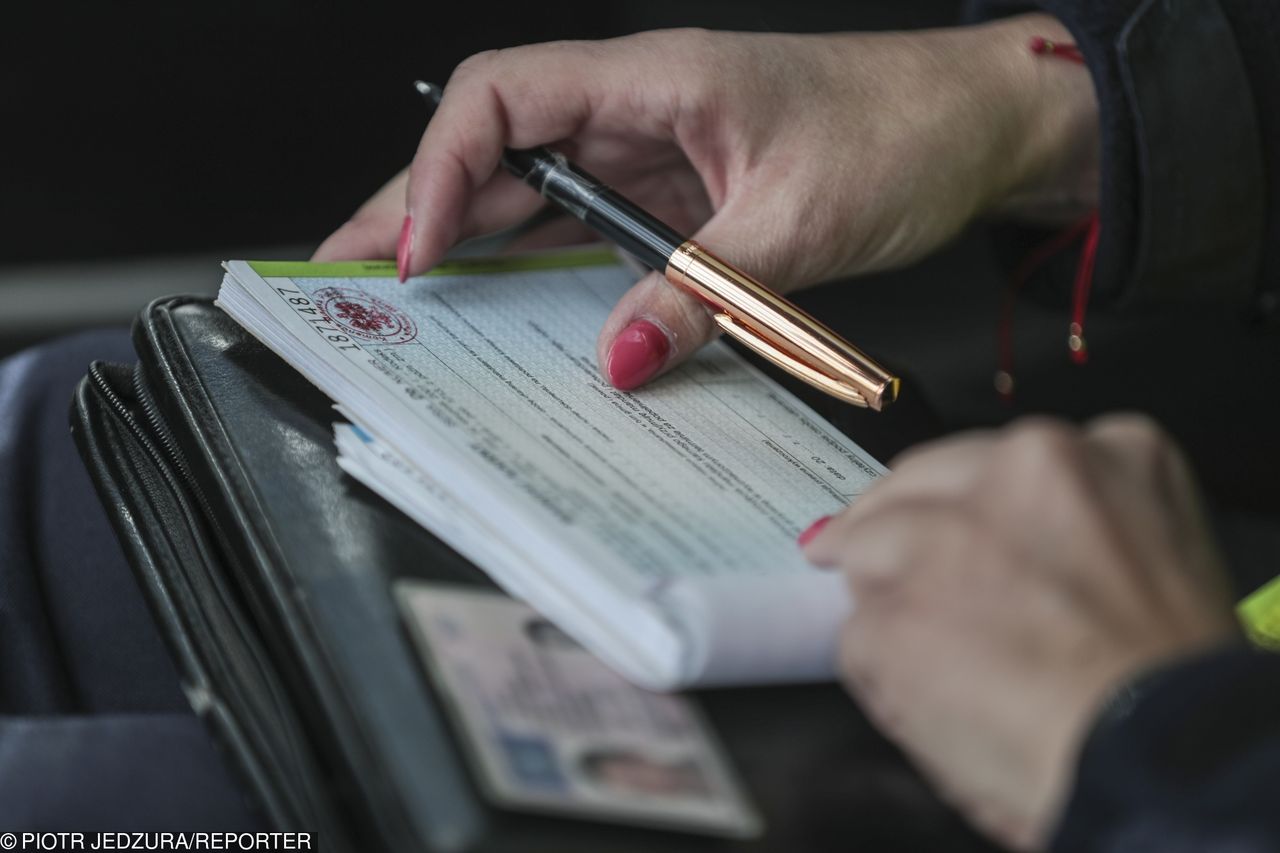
{"x": 602, "y": 208}
{"x": 649, "y": 239}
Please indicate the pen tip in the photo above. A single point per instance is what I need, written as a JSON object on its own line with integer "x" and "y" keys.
{"x": 428, "y": 90}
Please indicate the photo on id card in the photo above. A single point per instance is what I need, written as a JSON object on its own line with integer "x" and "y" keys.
{"x": 549, "y": 728}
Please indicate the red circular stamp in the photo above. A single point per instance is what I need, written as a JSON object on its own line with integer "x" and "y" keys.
{"x": 365, "y": 317}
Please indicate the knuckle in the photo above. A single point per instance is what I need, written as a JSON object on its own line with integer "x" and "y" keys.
{"x": 1051, "y": 476}
{"x": 1140, "y": 438}
{"x": 1041, "y": 443}
{"x": 1136, "y": 427}
{"x": 1136, "y": 431}
{"x": 477, "y": 64}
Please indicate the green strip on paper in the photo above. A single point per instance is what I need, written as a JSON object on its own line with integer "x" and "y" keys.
{"x": 594, "y": 257}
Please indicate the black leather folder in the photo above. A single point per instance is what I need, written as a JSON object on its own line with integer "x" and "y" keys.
{"x": 269, "y": 573}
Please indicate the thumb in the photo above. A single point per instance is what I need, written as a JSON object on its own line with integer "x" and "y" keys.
{"x": 656, "y": 326}
{"x": 653, "y": 328}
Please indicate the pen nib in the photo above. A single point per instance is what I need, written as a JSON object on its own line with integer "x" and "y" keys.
{"x": 428, "y": 90}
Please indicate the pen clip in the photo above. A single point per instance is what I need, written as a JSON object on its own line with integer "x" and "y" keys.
{"x": 794, "y": 366}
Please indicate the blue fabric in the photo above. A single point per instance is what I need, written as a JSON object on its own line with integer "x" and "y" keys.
{"x": 142, "y": 772}
{"x": 95, "y": 733}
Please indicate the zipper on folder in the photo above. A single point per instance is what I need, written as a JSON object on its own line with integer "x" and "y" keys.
{"x": 160, "y": 431}
{"x": 165, "y": 456}
{"x": 156, "y": 441}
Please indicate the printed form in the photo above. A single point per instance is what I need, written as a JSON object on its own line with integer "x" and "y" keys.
{"x": 657, "y": 526}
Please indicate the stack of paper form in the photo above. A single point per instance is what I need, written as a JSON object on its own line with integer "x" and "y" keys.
{"x": 657, "y": 527}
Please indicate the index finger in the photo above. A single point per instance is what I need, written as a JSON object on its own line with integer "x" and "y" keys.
{"x": 520, "y": 98}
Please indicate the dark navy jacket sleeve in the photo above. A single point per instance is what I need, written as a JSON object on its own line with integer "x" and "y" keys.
{"x": 1188, "y": 758}
{"x": 1189, "y": 98}
{"x": 1185, "y": 760}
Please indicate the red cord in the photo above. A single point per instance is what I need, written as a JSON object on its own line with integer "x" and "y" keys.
{"x": 1042, "y": 45}
{"x": 1088, "y": 227}
{"x": 1080, "y": 293}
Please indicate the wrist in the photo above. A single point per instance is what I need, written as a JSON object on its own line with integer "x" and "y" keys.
{"x": 1048, "y": 165}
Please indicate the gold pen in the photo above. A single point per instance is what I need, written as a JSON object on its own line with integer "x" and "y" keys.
{"x": 766, "y": 323}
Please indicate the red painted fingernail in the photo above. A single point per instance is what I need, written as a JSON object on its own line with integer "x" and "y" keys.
{"x": 812, "y": 530}
{"x": 637, "y": 353}
{"x": 404, "y": 248}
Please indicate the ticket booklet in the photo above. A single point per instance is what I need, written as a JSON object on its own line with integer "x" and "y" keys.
{"x": 655, "y": 527}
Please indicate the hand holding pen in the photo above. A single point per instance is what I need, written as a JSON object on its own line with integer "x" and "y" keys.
{"x": 797, "y": 158}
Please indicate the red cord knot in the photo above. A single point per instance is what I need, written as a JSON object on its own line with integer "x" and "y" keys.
{"x": 1045, "y": 47}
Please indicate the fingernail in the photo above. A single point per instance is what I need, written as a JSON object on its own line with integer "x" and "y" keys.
{"x": 404, "y": 248}
{"x": 637, "y": 353}
{"x": 812, "y": 530}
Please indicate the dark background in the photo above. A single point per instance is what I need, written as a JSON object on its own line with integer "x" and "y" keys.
{"x": 144, "y": 143}
{"x": 163, "y": 127}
